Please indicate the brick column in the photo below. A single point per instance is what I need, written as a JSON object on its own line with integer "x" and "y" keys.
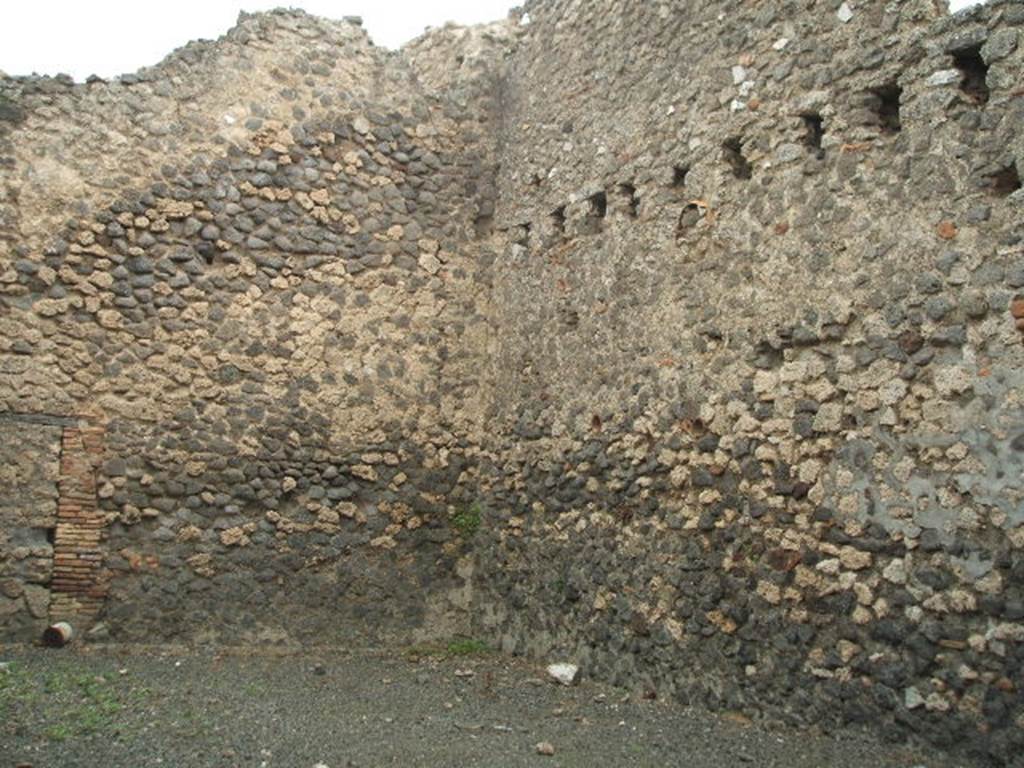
{"x": 78, "y": 587}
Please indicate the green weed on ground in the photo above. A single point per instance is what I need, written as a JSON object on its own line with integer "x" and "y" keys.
{"x": 454, "y": 648}
{"x": 62, "y": 703}
{"x": 468, "y": 647}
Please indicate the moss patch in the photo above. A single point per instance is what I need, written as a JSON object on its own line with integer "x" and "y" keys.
{"x": 467, "y": 520}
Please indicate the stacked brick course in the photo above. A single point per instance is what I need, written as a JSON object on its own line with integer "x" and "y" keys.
{"x": 78, "y": 590}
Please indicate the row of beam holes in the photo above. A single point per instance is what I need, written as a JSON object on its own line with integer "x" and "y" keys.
{"x": 884, "y": 102}
{"x": 597, "y": 212}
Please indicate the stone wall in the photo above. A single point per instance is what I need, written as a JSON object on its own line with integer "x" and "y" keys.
{"x": 28, "y": 515}
{"x": 756, "y": 387}
{"x": 686, "y": 334}
{"x": 268, "y": 319}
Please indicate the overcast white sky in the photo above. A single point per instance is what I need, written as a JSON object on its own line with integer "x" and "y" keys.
{"x": 113, "y": 37}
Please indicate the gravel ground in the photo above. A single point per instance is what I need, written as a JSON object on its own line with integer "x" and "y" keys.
{"x": 139, "y": 708}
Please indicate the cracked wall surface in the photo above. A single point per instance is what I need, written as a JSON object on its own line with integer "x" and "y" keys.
{"x": 710, "y": 314}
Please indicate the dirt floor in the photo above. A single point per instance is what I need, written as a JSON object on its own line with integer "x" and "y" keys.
{"x": 449, "y": 706}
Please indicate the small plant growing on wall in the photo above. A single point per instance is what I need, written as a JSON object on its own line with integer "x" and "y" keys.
{"x": 467, "y": 518}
